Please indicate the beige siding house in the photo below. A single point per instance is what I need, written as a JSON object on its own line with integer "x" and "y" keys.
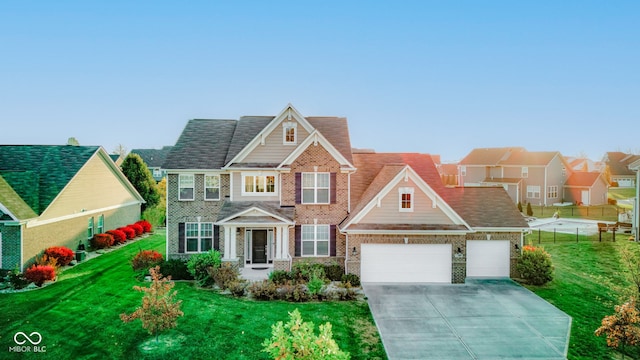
{"x": 59, "y": 196}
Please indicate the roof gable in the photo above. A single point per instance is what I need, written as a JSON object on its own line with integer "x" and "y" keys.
{"x": 38, "y": 173}
{"x": 12, "y": 204}
{"x": 489, "y": 156}
{"x": 316, "y": 138}
{"x": 584, "y": 179}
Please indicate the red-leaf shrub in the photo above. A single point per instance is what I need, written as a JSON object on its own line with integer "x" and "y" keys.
{"x": 62, "y": 254}
{"x": 119, "y": 236}
{"x": 146, "y": 259}
{"x": 139, "y": 230}
{"x": 38, "y": 274}
{"x": 128, "y": 231}
{"x": 101, "y": 241}
{"x": 146, "y": 226}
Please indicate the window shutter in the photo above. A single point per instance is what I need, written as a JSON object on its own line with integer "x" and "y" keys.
{"x": 216, "y": 237}
{"x": 298, "y": 188}
{"x": 298, "y": 236}
{"x": 181, "y": 238}
{"x": 332, "y": 240}
{"x": 332, "y": 188}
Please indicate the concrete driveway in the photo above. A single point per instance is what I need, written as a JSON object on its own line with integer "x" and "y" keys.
{"x": 482, "y": 319}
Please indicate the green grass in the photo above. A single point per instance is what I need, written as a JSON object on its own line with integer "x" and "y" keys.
{"x": 589, "y": 281}
{"x": 622, "y": 193}
{"x": 78, "y": 317}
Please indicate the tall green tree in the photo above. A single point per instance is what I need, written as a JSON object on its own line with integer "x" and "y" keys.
{"x": 140, "y": 177}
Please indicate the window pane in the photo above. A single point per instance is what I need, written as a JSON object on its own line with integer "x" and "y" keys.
{"x": 308, "y": 180}
{"x": 205, "y": 244}
{"x": 212, "y": 194}
{"x": 260, "y": 183}
{"x": 206, "y": 229}
{"x": 323, "y": 196}
{"x": 307, "y": 232}
{"x": 271, "y": 184}
{"x": 248, "y": 184}
{"x": 186, "y": 193}
{"x": 192, "y": 230}
{"x": 323, "y": 180}
{"x": 186, "y": 180}
{"x": 323, "y": 248}
{"x": 307, "y": 248}
{"x": 192, "y": 244}
{"x": 212, "y": 181}
{"x": 322, "y": 232}
{"x": 308, "y": 196}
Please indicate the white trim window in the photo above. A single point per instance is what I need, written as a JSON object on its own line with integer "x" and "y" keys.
{"x": 186, "y": 187}
{"x": 525, "y": 172}
{"x": 315, "y": 240}
{"x": 198, "y": 237}
{"x": 316, "y": 188}
{"x": 212, "y": 187}
{"x": 100, "y": 224}
{"x": 90, "y": 228}
{"x": 533, "y": 191}
{"x": 253, "y": 184}
{"x": 463, "y": 170}
{"x": 406, "y": 199}
{"x": 552, "y": 192}
{"x": 289, "y": 133}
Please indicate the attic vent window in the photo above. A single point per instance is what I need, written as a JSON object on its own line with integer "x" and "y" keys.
{"x": 406, "y": 199}
{"x": 289, "y": 133}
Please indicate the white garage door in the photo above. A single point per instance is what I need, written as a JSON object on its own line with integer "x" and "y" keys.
{"x": 407, "y": 263}
{"x": 488, "y": 258}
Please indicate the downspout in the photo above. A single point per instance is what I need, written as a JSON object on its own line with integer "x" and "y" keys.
{"x": 346, "y": 254}
{"x": 166, "y": 219}
{"x": 545, "y": 186}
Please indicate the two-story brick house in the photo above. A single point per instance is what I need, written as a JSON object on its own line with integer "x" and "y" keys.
{"x": 268, "y": 191}
{"x": 535, "y": 177}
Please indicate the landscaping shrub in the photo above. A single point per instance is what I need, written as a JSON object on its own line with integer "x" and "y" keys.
{"x": 131, "y": 233}
{"x": 519, "y": 206}
{"x": 238, "y": 288}
{"x": 315, "y": 286}
{"x": 146, "y": 226}
{"x": 16, "y": 279}
{"x": 146, "y": 259}
{"x": 280, "y": 277}
{"x": 224, "y": 275}
{"x": 263, "y": 290}
{"x": 352, "y": 279}
{"x": 343, "y": 292}
{"x": 137, "y": 228}
{"x": 333, "y": 272}
{"x": 293, "y": 293}
{"x": 199, "y": 264}
{"x": 176, "y": 268}
{"x": 101, "y": 241}
{"x": 38, "y": 274}
{"x": 62, "y": 254}
{"x": 535, "y": 265}
{"x": 119, "y": 237}
{"x": 45, "y": 259}
{"x": 304, "y": 270}
{"x": 529, "y": 209}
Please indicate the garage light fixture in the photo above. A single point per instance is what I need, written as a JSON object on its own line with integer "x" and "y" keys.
{"x": 354, "y": 252}
{"x": 517, "y": 247}
{"x": 459, "y": 250}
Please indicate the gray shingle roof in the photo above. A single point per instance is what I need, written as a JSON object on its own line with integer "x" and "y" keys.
{"x": 485, "y": 207}
{"x": 247, "y": 129}
{"x": 153, "y": 157}
{"x": 203, "y": 144}
{"x": 336, "y": 130}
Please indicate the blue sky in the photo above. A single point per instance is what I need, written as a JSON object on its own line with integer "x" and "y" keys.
{"x": 440, "y": 77}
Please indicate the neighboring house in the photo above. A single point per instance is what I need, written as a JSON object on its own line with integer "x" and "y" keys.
{"x": 449, "y": 174}
{"x": 635, "y": 167}
{"x": 271, "y": 190}
{"x": 59, "y": 196}
{"x": 154, "y": 159}
{"x": 586, "y": 188}
{"x": 584, "y": 164}
{"x": 116, "y": 158}
{"x": 528, "y": 177}
{"x": 618, "y": 168}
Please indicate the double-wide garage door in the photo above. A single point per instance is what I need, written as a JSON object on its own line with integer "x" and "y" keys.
{"x": 406, "y": 263}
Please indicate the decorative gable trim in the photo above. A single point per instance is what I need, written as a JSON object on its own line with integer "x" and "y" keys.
{"x": 6, "y": 211}
{"x": 404, "y": 175}
{"x": 250, "y": 210}
{"x": 287, "y": 114}
{"x": 314, "y": 139}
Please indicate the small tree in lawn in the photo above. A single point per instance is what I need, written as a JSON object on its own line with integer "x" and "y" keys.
{"x": 297, "y": 340}
{"x": 134, "y": 168}
{"x": 622, "y": 327}
{"x": 159, "y": 310}
{"x": 529, "y": 209}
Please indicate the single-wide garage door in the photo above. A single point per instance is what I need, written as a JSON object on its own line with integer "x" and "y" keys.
{"x": 406, "y": 263}
{"x": 488, "y": 258}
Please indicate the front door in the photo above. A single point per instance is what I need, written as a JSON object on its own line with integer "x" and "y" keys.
{"x": 259, "y": 246}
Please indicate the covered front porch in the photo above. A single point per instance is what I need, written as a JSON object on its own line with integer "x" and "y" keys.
{"x": 256, "y": 235}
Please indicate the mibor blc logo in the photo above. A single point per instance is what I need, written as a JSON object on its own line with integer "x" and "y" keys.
{"x": 27, "y": 343}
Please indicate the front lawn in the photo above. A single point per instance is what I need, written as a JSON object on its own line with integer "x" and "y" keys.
{"x": 78, "y": 317}
{"x": 589, "y": 281}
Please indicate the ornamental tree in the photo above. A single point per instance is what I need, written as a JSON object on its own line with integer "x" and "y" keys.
{"x": 159, "y": 310}
{"x": 134, "y": 168}
{"x": 297, "y": 340}
{"x": 622, "y": 327}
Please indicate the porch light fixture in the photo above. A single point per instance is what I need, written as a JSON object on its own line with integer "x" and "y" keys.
{"x": 459, "y": 250}
{"x": 354, "y": 252}
{"x": 517, "y": 247}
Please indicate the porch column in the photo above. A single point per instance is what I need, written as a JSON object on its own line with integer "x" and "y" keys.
{"x": 227, "y": 243}
{"x": 232, "y": 243}
{"x": 285, "y": 242}
{"x": 278, "y": 254}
